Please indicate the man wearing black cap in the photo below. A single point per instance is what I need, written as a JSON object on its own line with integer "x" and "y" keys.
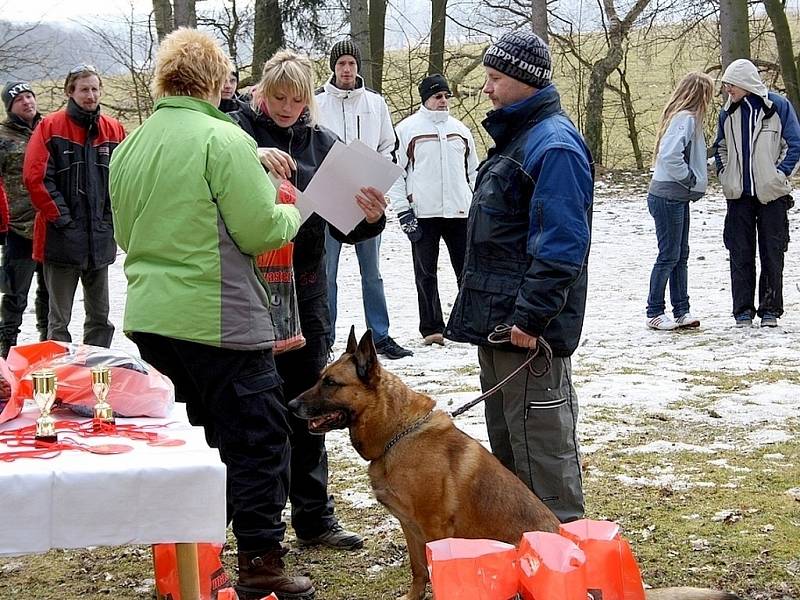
{"x": 18, "y": 266}
{"x": 432, "y": 198}
{"x": 525, "y": 268}
{"x": 352, "y": 112}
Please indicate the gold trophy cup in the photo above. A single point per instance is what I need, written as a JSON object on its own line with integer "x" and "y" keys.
{"x": 101, "y": 383}
{"x": 44, "y": 394}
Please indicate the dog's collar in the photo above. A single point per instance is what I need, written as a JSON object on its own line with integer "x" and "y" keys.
{"x": 410, "y": 429}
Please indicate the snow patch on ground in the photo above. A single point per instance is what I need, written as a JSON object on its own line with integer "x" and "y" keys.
{"x": 625, "y": 374}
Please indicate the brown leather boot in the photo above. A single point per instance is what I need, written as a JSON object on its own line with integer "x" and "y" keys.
{"x": 260, "y": 574}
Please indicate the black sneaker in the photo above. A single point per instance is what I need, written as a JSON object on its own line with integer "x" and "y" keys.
{"x": 768, "y": 320}
{"x": 391, "y": 349}
{"x": 336, "y": 537}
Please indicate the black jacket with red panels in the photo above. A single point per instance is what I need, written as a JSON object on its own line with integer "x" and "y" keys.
{"x": 66, "y": 173}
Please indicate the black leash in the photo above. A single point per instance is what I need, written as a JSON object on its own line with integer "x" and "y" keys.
{"x": 502, "y": 335}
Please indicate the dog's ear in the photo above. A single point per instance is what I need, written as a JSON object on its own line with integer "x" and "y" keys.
{"x": 352, "y": 344}
{"x": 366, "y": 357}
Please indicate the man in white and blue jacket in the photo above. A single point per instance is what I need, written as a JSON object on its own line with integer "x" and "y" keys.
{"x": 757, "y": 149}
{"x": 528, "y": 243}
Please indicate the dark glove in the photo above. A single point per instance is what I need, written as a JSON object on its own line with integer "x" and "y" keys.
{"x": 3, "y": 235}
{"x": 410, "y": 225}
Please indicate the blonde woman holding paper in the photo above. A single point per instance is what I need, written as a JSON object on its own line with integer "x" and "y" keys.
{"x": 281, "y": 117}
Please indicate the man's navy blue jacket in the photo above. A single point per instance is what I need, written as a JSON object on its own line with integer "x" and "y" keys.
{"x": 529, "y": 229}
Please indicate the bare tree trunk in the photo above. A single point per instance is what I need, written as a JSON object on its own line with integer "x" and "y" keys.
{"x": 162, "y": 13}
{"x": 359, "y": 31}
{"x": 539, "y": 19}
{"x": 377, "y": 31}
{"x": 734, "y": 30}
{"x": 268, "y": 36}
{"x": 776, "y": 11}
{"x": 629, "y": 111}
{"x": 438, "y": 29}
{"x": 185, "y": 13}
{"x": 601, "y": 69}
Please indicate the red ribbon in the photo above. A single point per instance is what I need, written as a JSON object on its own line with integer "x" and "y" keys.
{"x": 25, "y": 437}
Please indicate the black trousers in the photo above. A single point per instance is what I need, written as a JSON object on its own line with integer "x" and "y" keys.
{"x": 426, "y": 262}
{"x": 17, "y": 275}
{"x": 236, "y": 397}
{"x": 312, "y": 506}
{"x": 746, "y": 220}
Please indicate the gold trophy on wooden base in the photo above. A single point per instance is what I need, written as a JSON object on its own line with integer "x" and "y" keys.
{"x": 101, "y": 383}
{"x": 44, "y": 394}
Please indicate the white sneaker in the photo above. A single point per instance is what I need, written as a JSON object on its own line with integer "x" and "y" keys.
{"x": 662, "y": 322}
{"x": 687, "y": 320}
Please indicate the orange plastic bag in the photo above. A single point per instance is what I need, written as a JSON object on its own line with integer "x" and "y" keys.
{"x": 611, "y": 569}
{"x": 462, "y": 569}
{"x": 276, "y": 267}
{"x": 213, "y": 577}
{"x": 550, "y": 567}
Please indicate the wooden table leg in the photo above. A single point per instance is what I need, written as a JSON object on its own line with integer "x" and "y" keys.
{"x": 188, "y": 572}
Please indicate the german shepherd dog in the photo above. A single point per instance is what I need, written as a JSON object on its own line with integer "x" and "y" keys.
{"x": 434, "y": 478}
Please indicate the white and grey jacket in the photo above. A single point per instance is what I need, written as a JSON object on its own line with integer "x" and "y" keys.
{"x": 773, "y": 151}
{"x": 357, "y": 114}
{"x": 439, "y": 160}
{"x": 680, "y": 168}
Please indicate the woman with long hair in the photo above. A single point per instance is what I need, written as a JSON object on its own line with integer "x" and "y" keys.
{"x": 680, "y": 176}
{"x": 281, "y": 117}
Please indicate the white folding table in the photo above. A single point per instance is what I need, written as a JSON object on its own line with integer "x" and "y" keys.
{"x": 153, "y": 494}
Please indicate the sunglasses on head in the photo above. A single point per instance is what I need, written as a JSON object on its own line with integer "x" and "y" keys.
{"x": 82, "y": 68}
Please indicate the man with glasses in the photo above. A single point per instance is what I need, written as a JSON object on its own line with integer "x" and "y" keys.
{"x": 66, "y": 173}
{"x": 18, "y": 267}
{"x": 432, "y": 198}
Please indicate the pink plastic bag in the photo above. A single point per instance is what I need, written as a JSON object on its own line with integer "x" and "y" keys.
{"x": 10, "y": 401}
{"x": 551, "y": 567}
{"x": 611, "y": 569}
{"x": 137, "y": 389}
{"x": 472, "y": 569}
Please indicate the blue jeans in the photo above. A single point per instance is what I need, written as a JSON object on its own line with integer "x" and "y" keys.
{"x": 672, "y": 232}
{"x": 372, "y": 294}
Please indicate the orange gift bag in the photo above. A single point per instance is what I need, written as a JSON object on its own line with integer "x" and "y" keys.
{"x": 611, "y": 569}
{"x": 550, "y": 567}
{"x": 462, "y": 569}
{"x": 213, "y": 577}
{"x": 276, "y": 267}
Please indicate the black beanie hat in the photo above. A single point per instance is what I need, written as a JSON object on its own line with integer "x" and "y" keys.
{"x": 345, "y": 47}
{"x": 522, "y": 55}
{"x": 432, "y": 85}
{"x": 14, "y": 89}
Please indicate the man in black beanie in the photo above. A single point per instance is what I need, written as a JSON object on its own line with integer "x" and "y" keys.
{"x": 18, "y": 267}
{"x": 431, "y": 199}
{"x": 352, "y": 112}
{"x": 525, "y": 268}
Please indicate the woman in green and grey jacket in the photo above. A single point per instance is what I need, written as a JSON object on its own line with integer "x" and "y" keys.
{"x": 192, "y": 206}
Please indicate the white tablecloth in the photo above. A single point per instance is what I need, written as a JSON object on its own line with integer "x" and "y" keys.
{"x": 150, "y": 495}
